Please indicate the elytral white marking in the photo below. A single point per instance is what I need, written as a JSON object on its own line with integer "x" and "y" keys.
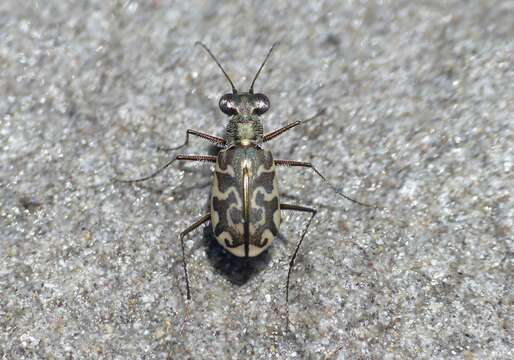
{"x": 230, "y": 169}
{"x": 277, "y": 217}
{"x": 255, "y": 206}
{"x": 263, "y": 169}
{"x": 255, "y": 250}
{"x": 266, "y": 238}
{"x": 215, "y": 218}
{"x": 217, "y": 193}
{"x": 274, "y": 193}
{"x": 230, "y": 221}
{"x": 225, "y": 237}
{"x": 268, "y": 196}
{"x": 237, "y": 251}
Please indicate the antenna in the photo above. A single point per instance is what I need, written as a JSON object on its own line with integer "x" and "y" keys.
{"x": 234, "y": 90}
{"x": 262, "y": 65}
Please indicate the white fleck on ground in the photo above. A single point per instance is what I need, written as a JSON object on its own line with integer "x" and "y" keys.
{"x": 419, "y": 100}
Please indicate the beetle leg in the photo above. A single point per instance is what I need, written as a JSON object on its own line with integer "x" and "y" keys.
{"x": 204, "y": 158}
{"x": 309, "y": 165}
{"x": 291, "y": 262}
{"x": 214, "y": 139}
{"x": 192, "y": 227}
{"x": 183, "y": 234}
{"x": 282, "y": 130}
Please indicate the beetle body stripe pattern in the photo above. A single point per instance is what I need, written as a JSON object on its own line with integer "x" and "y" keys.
{"x": 245, "y": 208}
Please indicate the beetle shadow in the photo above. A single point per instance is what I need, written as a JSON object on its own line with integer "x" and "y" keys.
{"x": 237, "y": 270}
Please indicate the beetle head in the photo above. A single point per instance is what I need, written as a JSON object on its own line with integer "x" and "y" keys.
{"x": 245, "y": 104}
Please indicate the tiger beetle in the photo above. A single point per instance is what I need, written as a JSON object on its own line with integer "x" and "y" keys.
{"x": 245, "y": 210}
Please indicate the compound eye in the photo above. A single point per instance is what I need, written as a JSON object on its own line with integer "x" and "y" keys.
{"x": 227, "y": 104}
{"x": 261, "y": 104}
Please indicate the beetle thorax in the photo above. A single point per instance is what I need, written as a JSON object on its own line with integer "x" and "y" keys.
{"x": 244, "y": 130}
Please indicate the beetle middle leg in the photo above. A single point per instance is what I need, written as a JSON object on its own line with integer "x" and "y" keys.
{"x": 291, "y": 262}
{"x": 202, "y": 158}
{"x": 309, "y": 165}
{"x": 213, "y": 139}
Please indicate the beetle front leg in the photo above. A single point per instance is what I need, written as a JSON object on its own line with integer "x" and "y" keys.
{"x": 275, "y": 133}
{"x": 309, "y": 165}
{"x": 213, "y": 139}
{"x": 202, "y": 158}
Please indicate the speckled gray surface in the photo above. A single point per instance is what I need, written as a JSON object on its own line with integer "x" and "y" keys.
{"x": 420, "y": 104}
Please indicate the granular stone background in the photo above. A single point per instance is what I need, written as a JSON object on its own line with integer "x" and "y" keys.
{"x": 419, "y": 100}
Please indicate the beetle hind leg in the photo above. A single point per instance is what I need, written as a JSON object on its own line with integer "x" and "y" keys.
{"x": 335, "y": 189}
{"x": 293, "y": 258}
{"x": 183, "y": 234}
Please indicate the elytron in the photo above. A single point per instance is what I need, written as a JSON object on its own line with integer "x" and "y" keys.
{"x": 245, "y": 208}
